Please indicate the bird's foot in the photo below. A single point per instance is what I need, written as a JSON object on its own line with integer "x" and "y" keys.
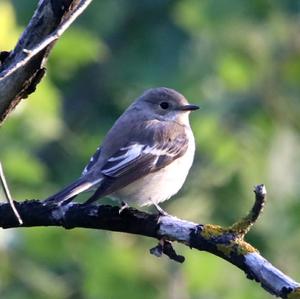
{"x": 124, "y": 206}
{"x": 160, "y": 210}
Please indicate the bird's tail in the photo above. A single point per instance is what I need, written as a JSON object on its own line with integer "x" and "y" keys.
{"x": 68, "y": 193}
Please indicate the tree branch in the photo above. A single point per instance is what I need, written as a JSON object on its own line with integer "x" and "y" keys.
{"x": 20, "y": 72}
{"x": 227, "y": 243}
{"x": 24, "y": 67}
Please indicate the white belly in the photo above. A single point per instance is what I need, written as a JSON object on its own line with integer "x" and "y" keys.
{"x": 161, "y": 185}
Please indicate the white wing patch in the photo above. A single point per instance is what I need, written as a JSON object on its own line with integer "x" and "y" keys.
{"x": 158, "y": 152}
{"x": 132, "y": 152}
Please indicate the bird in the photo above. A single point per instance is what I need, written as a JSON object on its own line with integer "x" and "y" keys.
{"x": 145, "y": 157}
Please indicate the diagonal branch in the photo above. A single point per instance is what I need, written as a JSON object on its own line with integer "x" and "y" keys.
{"x": 23, "y": 68}
{"x": 226, "y": 243}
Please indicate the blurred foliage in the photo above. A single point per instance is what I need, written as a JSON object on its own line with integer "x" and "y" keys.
{"x": 240, "y": 60}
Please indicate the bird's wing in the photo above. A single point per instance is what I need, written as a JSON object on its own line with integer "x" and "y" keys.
{"x": 136, "y": 159}
{"x": 143, "y": 159}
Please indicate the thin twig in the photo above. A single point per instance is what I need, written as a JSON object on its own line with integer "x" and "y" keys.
{"x": 165, "y": 246}
{"x": 8, "y": 196}
{"x": 244, "y": 225}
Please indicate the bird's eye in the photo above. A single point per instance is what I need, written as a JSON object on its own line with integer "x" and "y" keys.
{"x": 164, "y": 105}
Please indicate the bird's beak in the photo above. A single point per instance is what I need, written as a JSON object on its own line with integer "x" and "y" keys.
{"x": 188, "y": 107}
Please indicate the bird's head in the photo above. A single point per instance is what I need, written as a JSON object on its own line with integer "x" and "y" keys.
{"x": 165, "y": 104}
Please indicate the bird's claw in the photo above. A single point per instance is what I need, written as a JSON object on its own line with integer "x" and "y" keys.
{"x": 123, "y": 207}
{"x": 160, "y": 210}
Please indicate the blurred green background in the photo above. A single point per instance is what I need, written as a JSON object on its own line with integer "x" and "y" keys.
{"x": 239, "y": 60}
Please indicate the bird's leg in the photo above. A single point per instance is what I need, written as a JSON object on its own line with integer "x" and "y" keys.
{"x": 124, "y": 206}
{"x": 160, "y": 210}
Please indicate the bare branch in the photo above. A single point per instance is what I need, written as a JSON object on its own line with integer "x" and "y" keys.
{"x": 23, "y": 68}
{"x": 223, "y": 242}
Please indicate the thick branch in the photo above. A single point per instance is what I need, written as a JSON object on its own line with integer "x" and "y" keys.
{"x": 23, "y": 68}
{"x": 223, "y": 242}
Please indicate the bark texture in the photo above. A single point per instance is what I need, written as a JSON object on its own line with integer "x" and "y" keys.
{"x": 23, "y": 68}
